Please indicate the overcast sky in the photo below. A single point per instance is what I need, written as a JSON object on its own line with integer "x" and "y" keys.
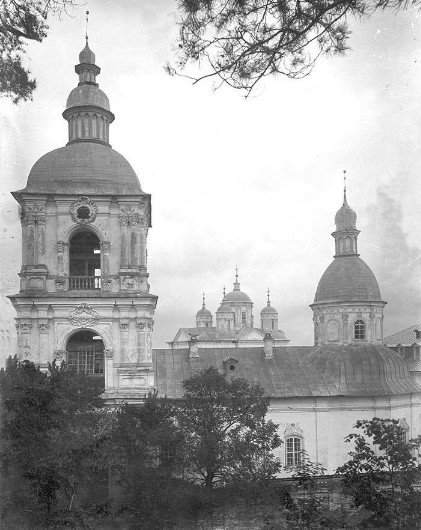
{"x": 254, "y": 183}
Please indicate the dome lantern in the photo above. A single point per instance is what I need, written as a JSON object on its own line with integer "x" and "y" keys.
{"x": 346, "y": 233}
{"x": 87, "y": 108}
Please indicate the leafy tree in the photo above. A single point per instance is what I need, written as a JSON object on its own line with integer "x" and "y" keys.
{"x": 20, "y": 21}
{"x": 53, "y": 429}
{"x": 226, "y": 435}
{"x": 381, "y": 473}
{"x": 243, "y": 41}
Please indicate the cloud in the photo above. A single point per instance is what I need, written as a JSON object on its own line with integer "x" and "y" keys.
{"x": 395, "y": 262}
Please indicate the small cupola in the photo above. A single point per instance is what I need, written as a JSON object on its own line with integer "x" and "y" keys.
{"x": 269, "y": 316}
{"x": 204, "y": 316}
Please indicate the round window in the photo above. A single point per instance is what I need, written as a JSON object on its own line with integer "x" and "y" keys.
{"x": 83, "y": 212}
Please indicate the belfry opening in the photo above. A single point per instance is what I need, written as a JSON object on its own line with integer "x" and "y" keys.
{"x": 84, "y": 261}
{"x": 85, "y": 353}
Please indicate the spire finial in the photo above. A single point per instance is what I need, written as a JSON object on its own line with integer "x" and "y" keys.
{"x": 268, "y": 293}
{"x": 344, "y": 185}
{"x": 86, "y": 30}
{"x": 236, "y": 274}
{"x": 203, "y": 301}
{"x": 223, "y": 291}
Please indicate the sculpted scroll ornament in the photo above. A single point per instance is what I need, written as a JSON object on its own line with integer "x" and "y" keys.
{"x": 293, "y": 429}
{"x": 83, "y": 211}
{"x": 83, "y": 315}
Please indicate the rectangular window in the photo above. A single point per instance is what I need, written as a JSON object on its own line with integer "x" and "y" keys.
{"x": 293, "y": 448}
{"x": 87, "y": 361}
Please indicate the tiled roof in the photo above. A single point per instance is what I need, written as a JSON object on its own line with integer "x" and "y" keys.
{"x": 406, "y": 337}
{"x": 347, "y": 279}
{"x": 295, "y": 371}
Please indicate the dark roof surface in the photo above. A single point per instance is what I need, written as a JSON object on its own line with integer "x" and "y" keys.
{"x": 83, "y": 168}
{"x": 406, "y": 337}
{"x": 212, "y": 334}
{"x": 295, "y": 371}
{"x": 348, "y": 279}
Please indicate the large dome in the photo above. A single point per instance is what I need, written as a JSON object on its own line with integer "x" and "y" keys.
{"x": 236, "y": 296}
{"x": 348, "y": 279}
{"x": 83, "y": 168}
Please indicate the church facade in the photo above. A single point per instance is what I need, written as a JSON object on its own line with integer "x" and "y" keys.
{"x": 85, "y": 298}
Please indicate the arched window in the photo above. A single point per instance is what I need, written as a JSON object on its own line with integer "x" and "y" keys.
{"x": 293, "y": 451}
{"x": 273, "y": 324}
{"x": 243, "y": 319}
{"x": 85, "y": 260}
{"x": 85, "y": 353}
{"x": 359, "y": 329}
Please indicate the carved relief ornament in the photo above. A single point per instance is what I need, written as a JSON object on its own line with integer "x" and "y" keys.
{"x": 83, "y": 211}
{"x": 83, "y": 315}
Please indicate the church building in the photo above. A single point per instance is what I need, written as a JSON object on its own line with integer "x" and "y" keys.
{"x": 84, "y": 292}
{"x": 234, "y": 324}
{"x": 85, "y": 298}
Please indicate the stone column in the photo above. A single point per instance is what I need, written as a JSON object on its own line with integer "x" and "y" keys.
{"x": 124, "y": 243}
{"x": 109, "y": 368}
{"x": 30, "y": 241}
{"x": 372, "y": 331}
{"x": 124, "y": 340}
{"x": 105, "y": 253}
{"x": 345, "y": 331}
{"x": 322, "y": 329}
{"x": 43, "y": 340}
{"x": 41, "y": 259}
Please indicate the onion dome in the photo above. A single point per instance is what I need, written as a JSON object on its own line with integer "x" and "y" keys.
{"x": 236, "y": 295}
{"x": 345, "y": 217}
{"x": 87, "y": 56}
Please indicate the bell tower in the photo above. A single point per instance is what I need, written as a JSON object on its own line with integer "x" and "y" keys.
{"x": 84, "y": 295}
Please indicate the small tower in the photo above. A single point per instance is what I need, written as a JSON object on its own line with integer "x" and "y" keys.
{"x": 84, "y": 295}
{"x": 204, "y": 316}
{"x": 269, "y": 317}
{"x": 347, "y": 307}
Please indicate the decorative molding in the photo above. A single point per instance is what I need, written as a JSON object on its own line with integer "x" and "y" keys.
{"x": 109, "y": 354}
{"x": 60, "y": 355}
{"x": 345, "y": 317}
{"x": 140, "y": 326}
{"x": 105, "y": 246}
{"x": 84, "y": 210}
{"x": 129, "y": 216}
{"x": 43, "y": 328}
{"x": 124, "y": 326}
{"x": 293, "y": 429}
{"x": 83, "y": 315}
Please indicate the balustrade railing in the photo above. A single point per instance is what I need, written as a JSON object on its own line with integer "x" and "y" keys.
{"x": 79, "y": 283}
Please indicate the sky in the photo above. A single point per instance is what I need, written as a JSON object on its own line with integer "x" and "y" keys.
{"x": 253, "y": 183}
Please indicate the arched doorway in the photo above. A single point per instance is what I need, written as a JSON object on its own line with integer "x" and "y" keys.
{"x": 85, "y": 353}
{"x": 84, "y": 261}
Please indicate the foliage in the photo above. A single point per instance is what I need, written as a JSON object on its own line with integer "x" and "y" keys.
{"x": 22, "y": 20}
{"x": 53, "y": 430}
{"x": 381, "y": 473}
{"x": 226, "y": 436}
{"x": 243, "y": 41}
